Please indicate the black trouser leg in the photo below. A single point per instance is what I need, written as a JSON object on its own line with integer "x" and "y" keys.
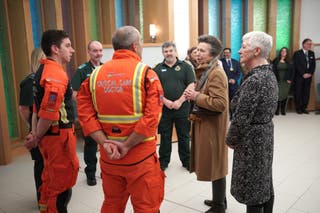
{"x": 183, "y": 132}
{"x": 62, "y": 201}
{"x": 283, "y": 106}
{"x": 278, "y": 107}
{"x": 165, "y": 131}
{"x": 218, "y": 196}
{"x": 298, "y": 93}
{"x": 90, "y": 157}
{"x": 37, "y": 168}
{"x": 306, "y": 93}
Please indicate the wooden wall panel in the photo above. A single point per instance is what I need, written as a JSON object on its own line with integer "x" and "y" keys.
{"x": 81, "y": 30}
{"x": 160, "y": 17}
{"x": 21, "y": 47}
{"x": 5, "y": 147}
{"x": 193, "y": 19}
{"x": 272, "y": 25}
{"x": 52, "y": 14}
{"x": 296, "y": 25}
{"x": 227, "y": 23}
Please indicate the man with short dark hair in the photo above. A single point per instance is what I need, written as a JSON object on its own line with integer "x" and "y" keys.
{"x": 83, "y": 72}
{"x": 52, "y": 127}
{"x": 175, "y": 76}
{"x": 304, "y": 64}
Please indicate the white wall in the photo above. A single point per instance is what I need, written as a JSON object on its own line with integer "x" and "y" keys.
{"x": 150, "y": 55}
{"x": 181, "y": 27}
{"x": 309, "y": 28}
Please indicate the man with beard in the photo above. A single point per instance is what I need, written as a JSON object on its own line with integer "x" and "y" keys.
{"x": 175, "y": 76}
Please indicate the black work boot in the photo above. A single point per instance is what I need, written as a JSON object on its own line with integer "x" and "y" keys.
{"x": 209, "y": 203}
{"x": 218, "y": 196}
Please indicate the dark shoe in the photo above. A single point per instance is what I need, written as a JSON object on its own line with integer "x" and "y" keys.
{"x": 186, "y": 166}
{"x": 283, "y": 113}
{"x": 305, "y": 112}
{"x": 209, "y": 203}
{"x": 299, "y": 112}
{"x": 91, "y": 181}
{"x": 163, "y": 167}
{"x": 317, "y": 113}
{"x": 216, "y": 209}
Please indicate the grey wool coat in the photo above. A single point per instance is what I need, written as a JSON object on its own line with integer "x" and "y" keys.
{"x": 251, "y": 135}
{"x": 209, "y": 153}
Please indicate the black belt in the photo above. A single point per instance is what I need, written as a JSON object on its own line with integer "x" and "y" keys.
{"x": 65, "y": 126}
{"x": 259, "y": 123}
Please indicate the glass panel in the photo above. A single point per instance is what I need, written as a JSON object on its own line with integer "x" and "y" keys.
{"x": 283, "y": 24}
{"x": 94, "y": 22}
{"x": 259, "y": 15}
{"x": 36, "y": 20}
{"x": 213, "y": 17}
{"x": 236, "y": 27}
{"x": 11, "y": 105}
{"x": 120, "y": 13}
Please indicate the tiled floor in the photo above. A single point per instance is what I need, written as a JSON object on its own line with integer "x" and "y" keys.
{"x": 296, "y": 177}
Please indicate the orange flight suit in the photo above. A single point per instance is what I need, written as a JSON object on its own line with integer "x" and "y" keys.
{"x": 120, "y": 97}
{"x": 58, "y": 146}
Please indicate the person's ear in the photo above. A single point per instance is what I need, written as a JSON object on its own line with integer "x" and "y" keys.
{"x": 54, "y": 49}
{"x": 257, "y": 51}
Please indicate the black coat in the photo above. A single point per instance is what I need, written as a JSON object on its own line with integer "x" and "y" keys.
{"x": 300, "y": 63}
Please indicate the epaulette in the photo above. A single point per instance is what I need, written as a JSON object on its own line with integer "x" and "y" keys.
{"x": 82, "y": 66}
{"x": 158, "y": 64}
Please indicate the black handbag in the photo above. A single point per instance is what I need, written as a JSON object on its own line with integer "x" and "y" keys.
{"x": 196, "y": 110}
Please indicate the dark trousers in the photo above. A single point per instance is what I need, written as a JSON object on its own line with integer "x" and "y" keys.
{"x": 62, "y": 201}
{"x": 182, "y": 125}
{"x": 90, "y": 157}
{"x": 37, "y": 168}
{"x": 302, "y": 93}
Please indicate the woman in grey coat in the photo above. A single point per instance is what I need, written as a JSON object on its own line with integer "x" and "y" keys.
{"x": 251, "y": 130}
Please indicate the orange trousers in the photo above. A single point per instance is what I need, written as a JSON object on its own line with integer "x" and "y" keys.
{"x": 61, "y": 167}
{"x": 143, "y": 182}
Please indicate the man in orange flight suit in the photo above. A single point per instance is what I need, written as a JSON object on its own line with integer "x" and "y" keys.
{"x": 52, "y": 125}
{"x": 119, "y": 106}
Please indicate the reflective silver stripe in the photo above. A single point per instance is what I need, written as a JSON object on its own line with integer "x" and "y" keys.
{"x": 93, "y": 79}
{"x": 136, "y": 88}
{"x": 121, "y": 139}
{"x": 119, "y": 118}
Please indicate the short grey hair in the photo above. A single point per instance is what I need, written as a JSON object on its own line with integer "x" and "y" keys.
{"x": 168, "y": 44}
{"x": 259, "y": 39}
{"x": 124, "y": 37}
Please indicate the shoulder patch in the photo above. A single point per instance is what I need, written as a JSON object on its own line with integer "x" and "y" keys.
{"x": 82, "y": 66}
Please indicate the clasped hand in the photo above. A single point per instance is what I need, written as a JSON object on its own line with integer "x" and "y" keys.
{"x": 190, "y": 94}
{"x": 115, "y": 149}
{"x": 31, "y": 141}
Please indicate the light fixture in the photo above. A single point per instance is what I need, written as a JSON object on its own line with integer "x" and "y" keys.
{"x": 152, "y": 32}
